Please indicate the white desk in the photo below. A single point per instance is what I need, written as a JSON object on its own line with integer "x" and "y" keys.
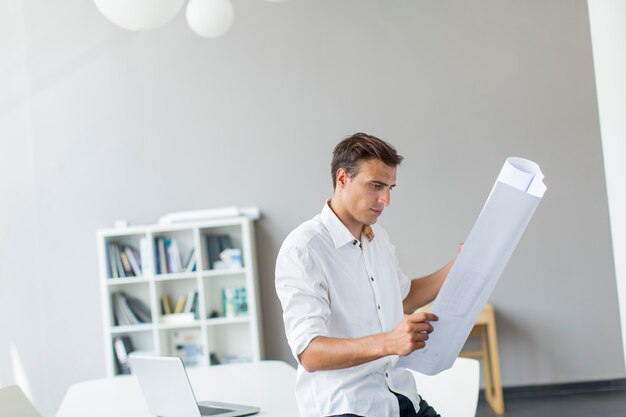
{"x": 266, "y": 384}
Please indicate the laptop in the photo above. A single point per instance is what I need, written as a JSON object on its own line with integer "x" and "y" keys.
{"x": 168, "y": 393}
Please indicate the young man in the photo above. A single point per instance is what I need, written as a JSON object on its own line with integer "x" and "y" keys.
{"x": 347, "y": 306}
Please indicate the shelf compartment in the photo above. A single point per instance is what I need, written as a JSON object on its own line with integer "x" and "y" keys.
{"x": 126, "y": 256}
{"x": 229, "y": 344}
{"x": 133, "y": 308}
{"x": 214, "y": 240}
{"x": 214, "y": 297}
{"x": 123, "y": 343}
{"x": 174, "y": 290}
{"x": 186, "y": 343}
{"x": 174, "y": 252}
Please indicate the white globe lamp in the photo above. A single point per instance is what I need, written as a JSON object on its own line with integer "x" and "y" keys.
{"x": 210, "y": 18}
{"x": 139, "y": 15}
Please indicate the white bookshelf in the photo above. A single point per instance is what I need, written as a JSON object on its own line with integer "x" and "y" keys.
{"x": 231, "y": 338}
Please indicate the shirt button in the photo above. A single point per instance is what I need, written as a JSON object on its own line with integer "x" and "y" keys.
{"x": 354, "y": 242}
{"x": 379, "y": 307}
{"x": 387, "y": 374}
{"x": 372, "y": 278}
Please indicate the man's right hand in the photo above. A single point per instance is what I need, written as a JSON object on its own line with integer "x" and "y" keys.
{"x": 410, "y": 334}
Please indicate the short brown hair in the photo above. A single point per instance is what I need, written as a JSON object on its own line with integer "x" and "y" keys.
{"x": 351, "y": 151}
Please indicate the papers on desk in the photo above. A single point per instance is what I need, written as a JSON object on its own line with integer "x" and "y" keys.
{"x": 501, "y": 223}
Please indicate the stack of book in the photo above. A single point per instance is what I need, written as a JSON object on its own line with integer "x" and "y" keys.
{"x": 129, "y": 310}
{"x": 168, "y": 257}
{"x": 124, "y": 261}
{"x": 185, "y": 310}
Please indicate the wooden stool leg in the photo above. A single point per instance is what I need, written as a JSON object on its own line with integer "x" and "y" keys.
{"x": 484, "y": 357}
{"x": 494, "y": 394}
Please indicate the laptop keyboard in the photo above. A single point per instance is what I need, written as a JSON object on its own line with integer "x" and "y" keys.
{"x": 212, "y": 411}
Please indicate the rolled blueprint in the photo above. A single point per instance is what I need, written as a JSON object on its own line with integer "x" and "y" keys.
{"x": 486, "y": 251}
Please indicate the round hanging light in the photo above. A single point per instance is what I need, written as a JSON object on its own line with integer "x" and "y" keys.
{"x": 139, "y": 14}
{"x": 210, "y": 18}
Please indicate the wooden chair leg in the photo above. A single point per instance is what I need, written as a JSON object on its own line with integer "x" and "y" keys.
{"x": 487, "y": 371}
{"x": 494, "y": 396}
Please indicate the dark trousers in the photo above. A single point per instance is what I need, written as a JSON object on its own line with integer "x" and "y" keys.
{"x": 407, "y": 409}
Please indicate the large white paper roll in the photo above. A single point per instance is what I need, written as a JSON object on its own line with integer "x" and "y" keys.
{"x": 499, "y": 227}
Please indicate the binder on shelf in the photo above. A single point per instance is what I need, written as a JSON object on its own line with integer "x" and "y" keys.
{"x": 213, "y": 249}
{"x": 215, "y": 245}
{"x": 161, "y": 257}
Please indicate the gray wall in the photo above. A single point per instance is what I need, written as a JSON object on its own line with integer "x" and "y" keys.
{"x": 99, "y": 124}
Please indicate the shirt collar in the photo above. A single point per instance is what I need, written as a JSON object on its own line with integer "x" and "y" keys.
{"x": 339, "y": 233}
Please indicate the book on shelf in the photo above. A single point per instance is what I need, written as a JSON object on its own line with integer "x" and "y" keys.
{"x": 166, "y": 307}
{"x": 161, "y": 258}
{"x": 169, "y": 258}
{"x": 129, "y": 310}
{"x": 193, "y": 308}
{"x": 118, "y": 262}
{"x": 180, "y": 305}
{"x": 123, "y": 261}
{"x": 139, "y": 309}
{"x": 186, "y": 308}
{"x": 173, "y": 254}
{"x": 128, "y": 271}
{"x": 188, "y": 302}
{"x": 122, "y": 346}
{"x": 234, "y": 301}
{"x": 111, "y": 264}
{"x": 189, "y": 264}
{"x": 134, "y": 259}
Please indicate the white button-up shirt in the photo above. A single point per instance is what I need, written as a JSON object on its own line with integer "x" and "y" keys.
{"x": 330, "y": 284}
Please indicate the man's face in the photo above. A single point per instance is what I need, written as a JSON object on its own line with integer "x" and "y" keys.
{"x": 368, "y": 192}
